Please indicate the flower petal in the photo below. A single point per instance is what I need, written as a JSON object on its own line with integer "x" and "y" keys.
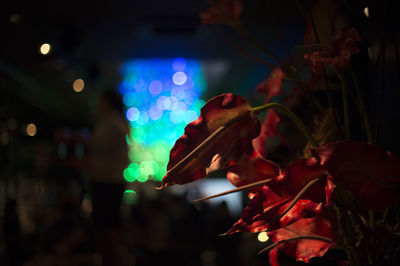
{"x": 368, "y": 171}
{"x": 269, "y": 203}
{"x": 251, "y": 169}
{"x": 228, "y": 115}
{"x": 269, "y": 129}
{"x": 303, "y": 249}
{"x": 273, "y": 85}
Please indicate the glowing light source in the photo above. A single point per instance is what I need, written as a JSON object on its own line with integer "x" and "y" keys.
{"x": 262, "y": 237}
{"x": 366, "y": 12}
{"x": 130, "y": 197}
{"x": 31, "y": 129}
{"x": 160, "y": 96}
{"x": 155, "y": 87}
{"x": 179, "y": 78}
{"x": 45, "y": 48}
{"x": 132, "y": 114}
{"x": 78, "y": 85}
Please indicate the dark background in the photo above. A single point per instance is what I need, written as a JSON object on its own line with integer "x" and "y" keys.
{"x": 90, "y": 39}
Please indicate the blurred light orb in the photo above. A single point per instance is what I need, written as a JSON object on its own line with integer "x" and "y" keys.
{"x": 155, "y": 87}
{"x": 179, "y": 78}
{"x": 366, "y": 12}
{"x": 78, "y": 85}
{"x": 15, "y": 18}
{"x": 262, "y": 237}
{"x": 158, "y": 95}
{"x": 132, "y": 114}
{"x": 12, "y": 124}
{"x": 31, "y": 130}
{"x": 45, "y": 48}
{"x": 155, "y": 113}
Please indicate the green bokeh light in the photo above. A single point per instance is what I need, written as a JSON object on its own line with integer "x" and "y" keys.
{"x": 158, "y": 108}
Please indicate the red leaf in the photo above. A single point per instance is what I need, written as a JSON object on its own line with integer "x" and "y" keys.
{"x": 302, "y": 249}
{"x": 231, "y": 144}
{"x": 269, "y": 129}
{"x": 273, "y": 85}
{"x": 371, "y": 173}
{"x": 251, "y": 169}
{"x": 223, "y": 12}
{"x": 270, "y": 202}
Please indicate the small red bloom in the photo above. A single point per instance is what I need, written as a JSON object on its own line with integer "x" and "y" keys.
{"x": 371, "y": 173}
{"x": 233, "y": 142}
{"x": 343, "y": 46}
{"x": 303, "y": 249}
{"x": 223, "y": 12}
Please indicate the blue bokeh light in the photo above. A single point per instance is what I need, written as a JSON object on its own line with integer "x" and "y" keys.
{"x": 161, "y": 96}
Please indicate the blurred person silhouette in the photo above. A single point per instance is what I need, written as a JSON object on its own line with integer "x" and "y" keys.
{"x": 108, "y": 157}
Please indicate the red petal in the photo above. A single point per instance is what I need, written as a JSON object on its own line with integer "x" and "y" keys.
{"x": 269, "y": 129}
{"x": 368, "y": 171}
{"x": 251, "y": 169}
{"x": 264, "y": 211}
{"x": 297, "y": 174}
{"x": 231, "y": 144}
{"x": 270, "y": 202}
{"x": 303, "y": 249}
{"x": 223, "y": 12}
{"x": 273, "y": 85}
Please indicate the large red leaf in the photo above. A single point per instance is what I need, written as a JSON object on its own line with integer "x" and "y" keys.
{"x": 251, "y": 169}
{"x": 303, "y": 249}
{"x": 371, "y": 173}
{"x": 230, "y": 144}
{"x": 269, "y": 203}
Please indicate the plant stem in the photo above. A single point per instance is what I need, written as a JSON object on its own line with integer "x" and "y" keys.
{"x": 345, "y": 106}
{"x": 292, "y": 116}
{"x": 362, "y": 109}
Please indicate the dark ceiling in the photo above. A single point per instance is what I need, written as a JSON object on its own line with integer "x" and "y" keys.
{"x": 90, "y": 39}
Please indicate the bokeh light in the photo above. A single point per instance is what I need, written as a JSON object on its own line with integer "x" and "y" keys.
{"x": 366, "y": 12}
{"x": 161, "y": 96}
{"x": 78, "y": 85}
{"x": 31, "y": 129}
{"x": 45, "y": 48}
{"x": 262, "y": 237}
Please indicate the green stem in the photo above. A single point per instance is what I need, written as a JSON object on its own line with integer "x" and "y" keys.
{"x": 345, "y": 106}
{"x": 362, "y": 109}
{"x": 292, "y": 116}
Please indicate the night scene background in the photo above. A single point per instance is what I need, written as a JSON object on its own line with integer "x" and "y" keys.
{"x": 56, "y": 60}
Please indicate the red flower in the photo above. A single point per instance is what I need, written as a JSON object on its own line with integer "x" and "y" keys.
{"x": 269, "y": 129}
{"x": 223, "y": 12}
{"x": 251, "y": 169}
{"x": 273, "y": 85}
{"x": 230, "y": 119}
{"x": 303, "y": 240}
{"x": 343, "y": 46}
{"x": 371, "y": 173}
{"x": 269, "y": 204}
